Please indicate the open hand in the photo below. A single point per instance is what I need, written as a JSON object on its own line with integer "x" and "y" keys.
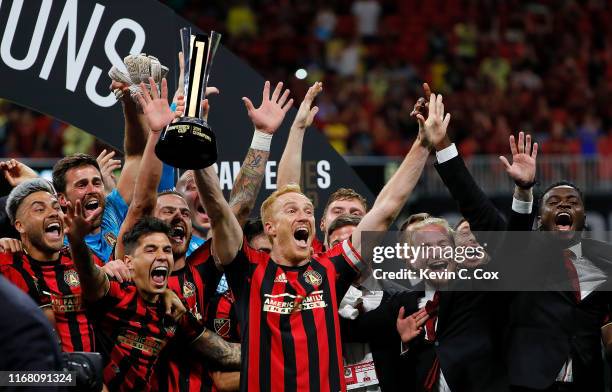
{"x": 306, "y": 113}
{"x": 155, "y": 107}
{"x": 76, "y": 225}
{"x": 107, "y": 167}
{"x": 433, "y": 130}
{"x": 411, "y": 326}
{"x": 523, "y": 167}
{"x": 270, "y": 114}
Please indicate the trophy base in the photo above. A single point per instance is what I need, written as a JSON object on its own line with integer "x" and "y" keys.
{"x": 187, "y": 144}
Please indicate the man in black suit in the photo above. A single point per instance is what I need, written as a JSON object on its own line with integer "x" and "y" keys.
{"x": 552, "y": 338}
{"x": 463, "y": 351}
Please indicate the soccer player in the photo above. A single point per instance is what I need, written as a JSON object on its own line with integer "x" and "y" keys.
{"x": 288, "y": 299}
{"x": 45, "y": 269}
{"x": 132, "y": 321}
{"x": 342, "y": 201}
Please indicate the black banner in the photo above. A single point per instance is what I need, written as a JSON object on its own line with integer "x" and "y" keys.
{"x": 55, "y": 55}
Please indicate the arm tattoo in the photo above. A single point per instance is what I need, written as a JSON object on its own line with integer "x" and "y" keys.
{"x": 215, "y": 348}
{"x": 245, "y": 190}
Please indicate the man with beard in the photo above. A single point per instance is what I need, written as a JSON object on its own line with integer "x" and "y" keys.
{"x": 45, "y": 269}
{"x": 287, "y": 300}
{"x": 78, "y": 177}
{"x": 196, "y": 276}
{"x": 133, "y": 325}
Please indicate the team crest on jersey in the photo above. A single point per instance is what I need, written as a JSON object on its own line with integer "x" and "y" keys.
{"x": 188, "y": 289}
{"x": 313, "y": 278}
{"x": 222, "y": 327}
{"x": 282, "y": 278}
{"x": 71, "y": 278}
{"x": 111, "y": 238}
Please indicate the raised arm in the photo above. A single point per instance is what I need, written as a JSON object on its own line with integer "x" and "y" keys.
{"x": 396, "y": 192}
{"x": 134, "y": 142}
{"x": 290, "y": 166}
{"x": 94, "y": 282}
{"x": 157, "y": 114}
{"x": 214, "y": 348}
{"x": 266, "y": 120}
{"x": 227, "y": 233}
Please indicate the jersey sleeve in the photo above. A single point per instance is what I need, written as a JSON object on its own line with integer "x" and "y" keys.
{"x": 347, "y": 261}
{"x": 239, "y": 271}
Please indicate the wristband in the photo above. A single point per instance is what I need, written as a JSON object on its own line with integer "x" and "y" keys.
{"x": 261, "y": 141}
{"x": 526, "y": 186}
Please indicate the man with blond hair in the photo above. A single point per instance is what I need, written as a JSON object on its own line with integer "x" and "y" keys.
{"x": 287, "y": 300}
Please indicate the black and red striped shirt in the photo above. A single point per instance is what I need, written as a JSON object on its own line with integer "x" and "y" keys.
{"x": 15, "y": 267}
{"x": 58, "y": 284}
{"x": 180, "y": 369}
{"x": 222, "y": 317}
{"x": 289, "y": 318}
{"x": 132, "y": 334}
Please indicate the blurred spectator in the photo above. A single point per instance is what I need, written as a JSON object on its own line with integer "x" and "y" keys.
{"x": 503, "y": 66}
{"x": 367, "y": 13}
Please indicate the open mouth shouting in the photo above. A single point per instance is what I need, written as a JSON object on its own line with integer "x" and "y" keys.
{"x": 159, "y": 275}
{"x": 90, "y": 205}
{"x": 178, "y": 234}
{"x": 437, "y": 265}
{"x": 54, "y": 230}
{"x": 301, "y": 235}
{"x": 563, "y": 221}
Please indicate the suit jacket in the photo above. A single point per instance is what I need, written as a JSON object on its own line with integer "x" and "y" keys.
{"x": 470, "y": 356}
{"x": 544, "y": 328}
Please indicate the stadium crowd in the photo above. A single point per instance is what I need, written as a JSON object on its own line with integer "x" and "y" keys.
{"x": 179, "y": 290}
{"x": 537, "y": 65}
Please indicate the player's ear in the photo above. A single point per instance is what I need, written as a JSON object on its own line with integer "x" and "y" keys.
{"x": 127, "y": 259}
{"x": 19, "y": 226}
{"x": 61, "y": 198}
{"x": 269, "y": 229}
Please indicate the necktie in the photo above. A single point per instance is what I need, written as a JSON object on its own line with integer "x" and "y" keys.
{"x": 431, "y": 307}
{"x": 568, "y": 260}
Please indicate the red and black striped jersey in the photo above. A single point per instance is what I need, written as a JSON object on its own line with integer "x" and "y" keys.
{"x": 222, "y": 317}
{"x": 180, "y": 369}
{"x": 132, "y": 334}
{"x": 15, "y": 267}
{"x": 289, "y": 318}
{"x": 58, "y": 284}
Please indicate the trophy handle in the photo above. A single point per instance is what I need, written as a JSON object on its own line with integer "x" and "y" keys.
{"x": 214, "y": 38}
{"x": 186, "y": 46}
